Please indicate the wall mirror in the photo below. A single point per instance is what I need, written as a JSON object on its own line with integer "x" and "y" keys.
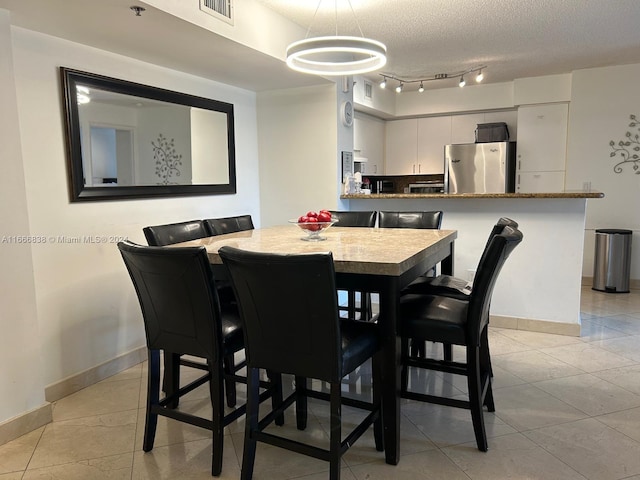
{"x": 127, "y": 140}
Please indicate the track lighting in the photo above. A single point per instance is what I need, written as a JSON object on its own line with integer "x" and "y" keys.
{"x": 439, "y": 76}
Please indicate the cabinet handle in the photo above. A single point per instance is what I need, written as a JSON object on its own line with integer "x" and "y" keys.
{"x": 414, "y": 168}
{"x": 375, "y": 169}
{"x": 519, "y": 164}
{"x": 419, "y": 168}
{"x": 518, "y": 179}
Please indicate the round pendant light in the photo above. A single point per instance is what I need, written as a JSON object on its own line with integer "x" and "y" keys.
{"x": 336, "y": 55}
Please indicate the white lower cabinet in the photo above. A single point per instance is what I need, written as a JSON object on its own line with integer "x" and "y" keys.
{"x": 539, "y": 182}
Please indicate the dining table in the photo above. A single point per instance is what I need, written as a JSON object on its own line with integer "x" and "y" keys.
{"x": 375, "y": 260}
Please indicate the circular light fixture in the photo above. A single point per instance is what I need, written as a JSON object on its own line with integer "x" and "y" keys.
{"x": 338, "y": 55}
{"x": 480, "y": 76}
{"x": 421, "y": 88}
{"x": 462, "y": 82}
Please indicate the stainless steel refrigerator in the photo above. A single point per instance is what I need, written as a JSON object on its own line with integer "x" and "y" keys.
{"x": 480, "y": 167}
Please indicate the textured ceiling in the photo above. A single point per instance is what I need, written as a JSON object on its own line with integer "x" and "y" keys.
{"x": 515, "y": 38}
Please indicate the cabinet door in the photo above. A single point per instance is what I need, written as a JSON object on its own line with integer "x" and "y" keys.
{"x": 402, "y": 147}
{"x": 433, "y": 134}
{"x": 368, "y": 142}
{"x": 540, "y": 182}
{"x": 542, "y": 137}
{"x": 463, "y": 127}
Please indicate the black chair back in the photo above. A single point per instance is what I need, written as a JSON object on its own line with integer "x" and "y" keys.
{"x": 220, "y": 226}
{"x": 355, "y": 219}
{"x": 299, "y": 336}
{"x": 500, "y": 247}
{"x": 431, "y": 220}
{"x": 177, "y": 297}
{"x": 161, "y": 235}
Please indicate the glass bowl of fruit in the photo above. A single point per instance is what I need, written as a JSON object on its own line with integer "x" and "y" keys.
{"x": 312, "y": 223}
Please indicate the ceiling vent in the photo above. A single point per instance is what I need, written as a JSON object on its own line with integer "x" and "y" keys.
{"x": 221, "y": 9}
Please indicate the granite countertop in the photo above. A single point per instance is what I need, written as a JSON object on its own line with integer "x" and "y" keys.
{"x": 567, "y": 194}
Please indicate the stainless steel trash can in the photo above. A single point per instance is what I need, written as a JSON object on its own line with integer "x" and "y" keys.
{"x": 612, "y": 262}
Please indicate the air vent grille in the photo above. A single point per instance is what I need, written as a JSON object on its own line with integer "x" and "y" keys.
{"x": 221, "y": 9}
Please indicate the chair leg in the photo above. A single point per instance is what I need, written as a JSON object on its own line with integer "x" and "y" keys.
{"x": 448, "y": 352}
{"x": 229, "y": 382}
{"x": 276, "y": 394}
{"x": 335, "y": 433}
{"x": 485, "y": 366}
{"x": 216, "y": 391}
{"x": 376, "y": 367}
{"x": 171, "y": 381}
{"x": 153, "y": 398}
{"x": 474, "y": 384}
{"x": 301, "y": 402}
{"x": 251, "y": 423}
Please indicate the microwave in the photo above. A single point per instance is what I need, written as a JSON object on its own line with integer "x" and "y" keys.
{"x": 383, "y": 186}
{"x": 426, "y": 187}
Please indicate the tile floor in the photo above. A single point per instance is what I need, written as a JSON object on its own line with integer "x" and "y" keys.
{"x": 566, "y": 408}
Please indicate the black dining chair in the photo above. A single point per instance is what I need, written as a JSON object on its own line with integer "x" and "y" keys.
{"x": 448, "y": 320}
{"x": 161, "y": 235}
{"x": 172, "y": 233}
{"x": 182, "y": 315}
{"x": 356, "y": 219}
{"x": 220, "y": 226}
{"x": 303, "y": 337}
{"x": 431, "y": 220}
{"x": 449, "y": 285}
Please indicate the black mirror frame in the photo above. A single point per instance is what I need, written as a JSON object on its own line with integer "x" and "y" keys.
{"x": 79, "y": 192}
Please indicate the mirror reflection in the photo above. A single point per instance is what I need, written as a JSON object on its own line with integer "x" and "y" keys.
{"x": 128, "y": 139}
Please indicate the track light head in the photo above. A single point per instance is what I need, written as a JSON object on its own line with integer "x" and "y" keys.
{"x": 383, "y": 83}
{"x": 480, "y": 76}
{"x": 421, "y": 88}
{"x": 462, "y": 82}
{"x": 399, "y": 88}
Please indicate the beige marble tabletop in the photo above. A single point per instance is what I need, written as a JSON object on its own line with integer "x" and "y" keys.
{"x": 378, "y": 251}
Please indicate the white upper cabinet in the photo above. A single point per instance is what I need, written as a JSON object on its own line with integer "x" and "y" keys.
{"x": 368, "y": 142}
{"x": 401, "y": 151}
{"x": 433, "y": 134}
{"x": 463, "y": 127}
{"x": 542, "y": 137}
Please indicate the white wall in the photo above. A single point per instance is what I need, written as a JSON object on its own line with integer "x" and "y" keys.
{"x": 87, "y": 310}
{"x": 298, "y": 143}
{"x": 21, "y": 387}
{"x": 601, "y": 101}
{"x": 541, "y": 279}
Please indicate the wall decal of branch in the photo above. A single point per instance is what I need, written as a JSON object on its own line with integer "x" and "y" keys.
{"x": 625, "y": 148}
{"x": 167, "y": 160}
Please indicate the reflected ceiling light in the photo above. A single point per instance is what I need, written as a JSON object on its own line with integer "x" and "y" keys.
{"x": 82, "y": 94}
{"x": 439, "y": 76}
{"x": 336, "y": 55}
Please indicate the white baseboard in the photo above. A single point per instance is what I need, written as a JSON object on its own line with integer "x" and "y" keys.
{"x": 25, "y": 423}
{"x": 76, "y": 382}
{"x": 542, "y": 326}
{"x": 634, "y": 284}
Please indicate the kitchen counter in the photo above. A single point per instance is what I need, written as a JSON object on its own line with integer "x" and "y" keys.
{"x": 539, "y": 287}
{"x": 415, "y": 196}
